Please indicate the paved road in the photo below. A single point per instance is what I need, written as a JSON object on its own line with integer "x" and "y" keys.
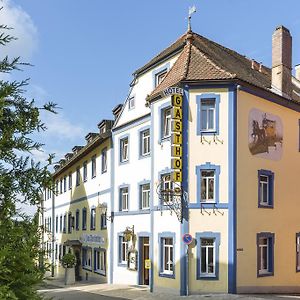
{"x": 63, "y": 294}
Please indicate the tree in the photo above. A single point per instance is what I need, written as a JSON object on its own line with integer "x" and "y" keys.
{"x": 21, "y": 181}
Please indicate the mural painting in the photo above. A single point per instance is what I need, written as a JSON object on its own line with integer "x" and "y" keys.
{"x": 265, "y": 135}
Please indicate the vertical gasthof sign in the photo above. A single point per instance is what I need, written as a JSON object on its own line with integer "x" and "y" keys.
{"x": 176, "y": 138}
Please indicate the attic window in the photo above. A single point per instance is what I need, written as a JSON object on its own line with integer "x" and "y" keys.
{"x": 159, "y": 77}
{"x": 102, "y": 129}
{"x": 131, "y": 103}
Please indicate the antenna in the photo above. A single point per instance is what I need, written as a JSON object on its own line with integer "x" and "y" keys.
{"x": 191, "y": 11}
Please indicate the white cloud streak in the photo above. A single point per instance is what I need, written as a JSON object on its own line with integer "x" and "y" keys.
{"x": 24, "y": 30}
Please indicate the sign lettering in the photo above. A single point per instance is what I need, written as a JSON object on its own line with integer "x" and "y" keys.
{"x": 176, "y": 163}
{"x": 176, "y": 151}
{"x": 177, "y": 101}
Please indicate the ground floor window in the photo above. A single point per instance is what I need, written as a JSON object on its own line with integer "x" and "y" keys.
{"x": 123, "y": 250}
{"x": 298, "y": 252}
{"x": 87, "y": 258}
{"x": 208, "y": 255}
{"x": 167, "y": 257}
{"x": 100, "y": 261}
{"x": 265, "y": 254}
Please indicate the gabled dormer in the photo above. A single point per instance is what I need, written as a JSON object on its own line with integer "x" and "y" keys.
{"x": 105, "y": 125}
{"x": 76, "y": 149}
{"x": 90, "y": 137}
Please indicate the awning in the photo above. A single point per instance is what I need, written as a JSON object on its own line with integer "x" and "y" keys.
{"x": 72, "y": 243}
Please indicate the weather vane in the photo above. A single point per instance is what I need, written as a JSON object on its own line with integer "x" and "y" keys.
{"x": 191, "y": 11}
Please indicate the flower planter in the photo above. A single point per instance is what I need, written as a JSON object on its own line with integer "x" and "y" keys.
{"x": 69, "y": 276}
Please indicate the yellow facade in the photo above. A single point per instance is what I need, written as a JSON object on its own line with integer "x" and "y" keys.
{"x": 283, "y": 218}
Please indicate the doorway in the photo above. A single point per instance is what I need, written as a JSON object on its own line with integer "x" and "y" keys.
{"x": 78, "y": 264}
{"x": 144, "y": 255}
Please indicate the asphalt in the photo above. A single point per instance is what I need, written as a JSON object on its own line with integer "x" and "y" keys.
{"x": 56, "y": 290}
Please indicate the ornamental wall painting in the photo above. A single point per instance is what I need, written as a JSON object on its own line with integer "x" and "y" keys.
{"x": 265, "y": 136}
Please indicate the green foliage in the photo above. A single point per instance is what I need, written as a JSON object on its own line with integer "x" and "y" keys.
{"x": 21, "y": 181}
{"x": 68, "y": 260}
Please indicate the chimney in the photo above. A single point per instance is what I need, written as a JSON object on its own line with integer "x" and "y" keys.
{"x": 282, "y": 60}
{"x": 297, "y": 73}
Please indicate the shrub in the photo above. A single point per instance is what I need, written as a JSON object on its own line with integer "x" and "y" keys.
{"x": 68, "y": 260}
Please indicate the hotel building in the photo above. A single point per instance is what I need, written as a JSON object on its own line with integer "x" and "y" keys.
{"x": 226, "y": 130}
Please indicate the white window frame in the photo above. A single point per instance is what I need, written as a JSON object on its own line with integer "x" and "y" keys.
{"x": 124, "y": 150}
{"x": 124, "y": 197}
{"x": 85, "y": 175}
{"x": 264, "y": 185}
{"x": 100, "y": 261}
{"x": 166, "y": 122}
{"x": 145, "y": 142}
{"x": 123, "y": 250}
{"x": 261, "y": 247}
{"x": 131, "y": 103}
{"x": 206, "y": 108}
{"x": 94, "y": 166}
{"x": 159, "y": 77}
{"x": 87, "y": 258}
{"x": 145, "y": 196}
{"x": 104, "y": 160}
{"x": 70, "y": 181}
{"x": 167, "y": 248}
{"x": 207, "y": 247}
{"x": 77, "y": 176}
{"x": 207, "y": 179}
{"x": 93, "y": 218}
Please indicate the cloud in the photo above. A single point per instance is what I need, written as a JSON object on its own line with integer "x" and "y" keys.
{"x": 24, "y": 30}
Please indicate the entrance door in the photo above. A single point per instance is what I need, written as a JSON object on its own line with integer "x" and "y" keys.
{"x": 78, "y": 263}
{"x": 145, "y": 255}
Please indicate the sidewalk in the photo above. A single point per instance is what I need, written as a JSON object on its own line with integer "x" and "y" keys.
{"x": 141, "y": 292}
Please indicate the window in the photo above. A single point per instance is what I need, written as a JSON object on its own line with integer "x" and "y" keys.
{"x": 93, "y": 218}
{"x": 208, "y": 183}
{"x": 61, "y": 186}
{"x": 70, "y": 181}
{"x": 84, "y": 219}
{"x": 104, "y": 161}
{"x": 124, "y": 150}
{"x": 64, "y": 224}
{"x": 77, "y": 176}
{"x": 124, "y": 198}
{"x": 103, "y": 221}
{"x": 298, "y": 252}
{"x": 208, "y": 114}
{"x": 131, "y": 103}
{"x": 70, "y": 222}
{"x": 265, "y": 254}
{"x": 145, "y": 142}
{"x": 123, "y": 250}
{"x": 166, "y": 123}
{"x": 56, "y": 224}
{"x": 208, "y": 255}
{"x": 56, "y": 187}
{"x": 102, "y": 129}
{"x": 145, "y": 196}
{"x": 77, "y": 219}
{"x": 65, "y": 183}
{"x": 60, "y": 223}
{"x": 87, "y": 258}
{"x": 167, "y": 265}
{"x": 85, "y": 171}
{"x": 166, "y": 186}
{"x": 159, "y": 77}
{"x": 100, "y": 261}
{"x": 265, "y": 188}
{"x": 94, "y": 166}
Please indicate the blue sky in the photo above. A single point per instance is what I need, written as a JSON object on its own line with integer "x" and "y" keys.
{"x": 84, "y": 52}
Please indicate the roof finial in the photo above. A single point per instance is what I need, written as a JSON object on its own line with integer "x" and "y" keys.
{"x": 191, "y": 11}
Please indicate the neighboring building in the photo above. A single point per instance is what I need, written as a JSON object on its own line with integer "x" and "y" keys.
{"x": 232, "y": 142}
{"x": 78, "y": 211}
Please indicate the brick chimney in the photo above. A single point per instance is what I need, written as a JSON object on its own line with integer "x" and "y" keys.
{"x": 297, "y": 73}
{"x": 282, "y": 61}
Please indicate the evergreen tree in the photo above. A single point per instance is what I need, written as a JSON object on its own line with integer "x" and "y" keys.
{"x": 21, "y": 181}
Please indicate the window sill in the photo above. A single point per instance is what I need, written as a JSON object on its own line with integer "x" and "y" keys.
{"x": 166, "y": 275}
{"x": 165, "y": 139}
{"x": 121, "y": 264}
{"x": 207, "y": 277}
{"x": 265, "y": 274}
{"x": 87, "y": 268}
{"x": 124, "y": 162}
{"x": 93, "y": 176}
{"x": 103, "y": 171}
{"x": 142, "y": 156}
{"x": 260, "y": 205}
{"x": 102, "y": 273}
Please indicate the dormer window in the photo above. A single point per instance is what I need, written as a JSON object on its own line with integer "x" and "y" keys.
{"x": 131, "y": 103}
{"x": 102, "y": 129}
{"x": 159, "y": 77}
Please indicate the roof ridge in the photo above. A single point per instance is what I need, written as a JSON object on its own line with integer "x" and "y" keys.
{"x": 188, "y": 61}
{"x": 212, "y": 63}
